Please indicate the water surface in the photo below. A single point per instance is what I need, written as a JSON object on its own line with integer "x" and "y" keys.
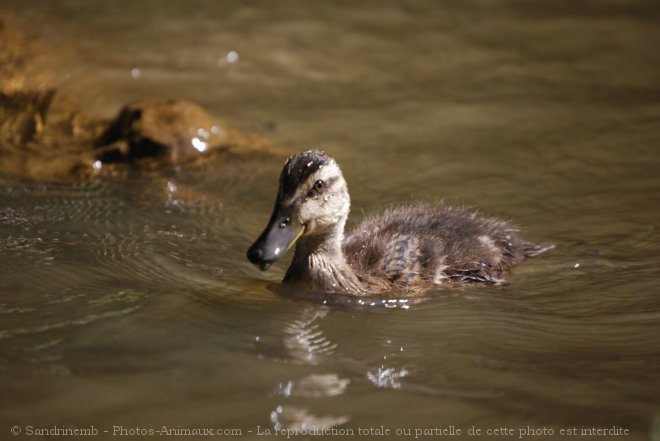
{"x": 127, "y": 303}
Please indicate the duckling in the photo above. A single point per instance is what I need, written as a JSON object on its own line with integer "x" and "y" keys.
{"x": 409, "y": 247}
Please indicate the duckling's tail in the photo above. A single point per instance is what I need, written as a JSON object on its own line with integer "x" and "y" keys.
{"x": 531, "y": 249}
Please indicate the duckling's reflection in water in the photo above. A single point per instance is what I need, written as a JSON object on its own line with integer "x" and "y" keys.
{"x": 305, "y": 343}
{"x": 395, "y": 298}
{"x": 408, "y": 248}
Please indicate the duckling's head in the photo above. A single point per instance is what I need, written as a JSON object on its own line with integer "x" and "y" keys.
{"x": 312, "y": 200}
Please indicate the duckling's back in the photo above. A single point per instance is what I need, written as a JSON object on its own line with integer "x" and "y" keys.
{"x": 422, "y": 244}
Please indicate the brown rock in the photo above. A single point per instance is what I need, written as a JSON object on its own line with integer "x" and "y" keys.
{"x": 176, "y": 131}
{"x": 45, "y": 136}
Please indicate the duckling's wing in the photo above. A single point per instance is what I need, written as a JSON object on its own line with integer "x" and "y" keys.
{"x": 433, "y": 243}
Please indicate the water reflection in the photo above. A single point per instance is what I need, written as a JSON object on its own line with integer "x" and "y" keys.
{"x": 119, "y": 295}
{"x": 306, "y": 343}
{"x": 387, "y": 377}
{"x": 290, "y": 418}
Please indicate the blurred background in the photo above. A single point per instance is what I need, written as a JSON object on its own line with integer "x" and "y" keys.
{"x": 130, "y": 302}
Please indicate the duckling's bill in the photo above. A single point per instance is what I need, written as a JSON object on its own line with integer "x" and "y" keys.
{"x": 280, "y": 235}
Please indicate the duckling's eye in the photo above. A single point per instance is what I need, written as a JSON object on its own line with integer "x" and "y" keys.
{"x": 316, "y": 189}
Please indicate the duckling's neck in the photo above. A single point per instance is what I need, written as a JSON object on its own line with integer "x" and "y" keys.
{"x": 319, "y": 260}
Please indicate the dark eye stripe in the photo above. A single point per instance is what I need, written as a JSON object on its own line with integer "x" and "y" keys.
{"x": 330, "y": 182}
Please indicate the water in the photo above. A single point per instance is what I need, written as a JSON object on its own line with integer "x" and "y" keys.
{"x": 128, "y": 304}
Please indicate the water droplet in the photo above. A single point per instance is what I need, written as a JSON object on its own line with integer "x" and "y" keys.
{"x": 171, "y": 186}
{"x": 97, "y": 165}
{"x": 199, "y": 145}
{"x": 231, "y": 57}
{"x": 284, "y": 389}
{"x": 136, "y": 73}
